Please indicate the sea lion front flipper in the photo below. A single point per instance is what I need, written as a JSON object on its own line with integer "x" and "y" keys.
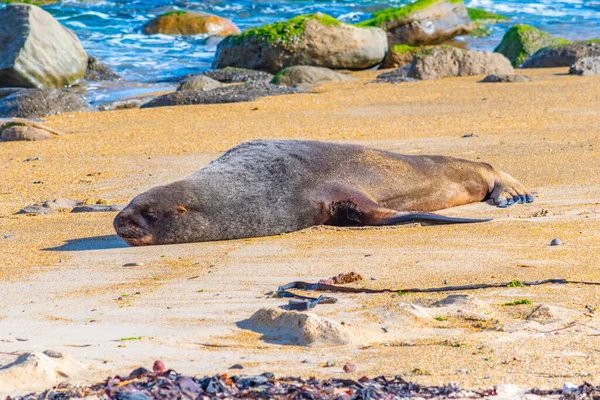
{"x": 350, "y": 207}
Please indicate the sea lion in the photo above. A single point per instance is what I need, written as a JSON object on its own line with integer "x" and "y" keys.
{"x": 269, "y": 187}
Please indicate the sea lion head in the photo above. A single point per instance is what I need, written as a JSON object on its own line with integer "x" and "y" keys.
{"x": 162, "y": 215}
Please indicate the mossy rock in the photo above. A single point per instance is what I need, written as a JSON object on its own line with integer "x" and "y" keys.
{"x": 190, "y": 23}
{"x": 314, "y": 39}
{"x": 485, "y": 17}
{"x": 399, "y": 55}
{"x": 423, "y": 22}
{"x": 522, "y": 41}
{"x": 38, "y": 3}
{"x": 563, "y": 55}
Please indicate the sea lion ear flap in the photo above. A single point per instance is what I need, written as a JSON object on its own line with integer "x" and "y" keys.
{"x": 181, "y": 210}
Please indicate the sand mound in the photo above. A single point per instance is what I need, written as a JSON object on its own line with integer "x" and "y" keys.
{"x": 462, "y": 306}
{"x": 39, "y": 371}
{"x": 291, "y": 327}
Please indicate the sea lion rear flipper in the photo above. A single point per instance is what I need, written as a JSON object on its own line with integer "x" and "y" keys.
{"x": 433, "y": 219}
{"x": 350, "y": 207}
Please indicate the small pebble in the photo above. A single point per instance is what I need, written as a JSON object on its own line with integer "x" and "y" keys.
{"x": 237, "y": 366}
{"x": 158, "y": 367}
{"x": 133, "y": 264}
{"x": 385, "y": 329}
{"x": 32, "y": 159}
{"x": 330, "y": 364}
{"x": 8, "y": 236}
{"x": 569, "y": 388}
{"x": 556, "y": 242}
{"x": 445, "y": 281}
{"x": 349, "y": 368}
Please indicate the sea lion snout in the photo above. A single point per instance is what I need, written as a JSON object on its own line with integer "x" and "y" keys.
{"x": 132, "y": 233}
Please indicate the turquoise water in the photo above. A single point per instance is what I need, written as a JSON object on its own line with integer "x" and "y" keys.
{"x": 111, "y": 29}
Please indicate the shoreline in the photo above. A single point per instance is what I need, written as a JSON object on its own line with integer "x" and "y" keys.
{"x": 58, "y": 268}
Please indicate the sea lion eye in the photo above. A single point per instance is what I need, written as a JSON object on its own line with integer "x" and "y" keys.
{"x": 150, "y": 215}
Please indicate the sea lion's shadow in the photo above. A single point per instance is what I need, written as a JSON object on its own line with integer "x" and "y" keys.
{"x": 104, "y": 242}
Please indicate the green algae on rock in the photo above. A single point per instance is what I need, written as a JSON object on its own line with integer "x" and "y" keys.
{"x": 314, "y": 39}
{"x": 422, "y": 22}
{"x": 485, "y": 17}
{"x": 181, "y": 22}
{"x": 399, "y": 55}
{"x": 522, "y": 41}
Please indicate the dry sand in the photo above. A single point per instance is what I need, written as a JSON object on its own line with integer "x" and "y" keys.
{"x": 64, "y": 286}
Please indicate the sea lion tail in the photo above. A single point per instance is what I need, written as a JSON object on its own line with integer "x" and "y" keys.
{"x": 432, "y": 219}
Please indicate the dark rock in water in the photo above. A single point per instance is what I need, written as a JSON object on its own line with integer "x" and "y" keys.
{"x": 522, "y": 41}
{"x": 38, "y": 103}
{"x": 316, "y": 39}
{"x": 228, "y": 94}
{"x": 182, "y": 22}
{"x": 562, "y": 56}
{"x": 445, "y": 61}
{"x": 306, "y": 77}
{"x": 36, "y": 51}
{"x": 8, "y": 90}
{"x": 505, "y": 79}
{"x": 97, "y": 208}
{"x": 199, "y": 83}
{"x": 587, "y": 66}
{"x": 423, "y": 22}
{"x": 399, "y": 55}
{"x": 235, "y": 75}
{"x": 397, "y": 76}
{"x": 97, "y": 71}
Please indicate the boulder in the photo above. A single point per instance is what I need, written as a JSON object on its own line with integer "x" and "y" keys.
{"x": 199, "y": 83}
{"x": 97, "y": 71}
{"x": 445, "y": 61}
{"x": 505, "y": 79}
{"x": 399, "y": 55}
{"x": 22, "y": 129}
{"x": 564, "y": 55}
{"x": 399, "y": 75}
{"x": 522, "y": 41}
{"x": 38, "y": 103}
{"x": 422, "y": 22}
{"x": 36, "y": 51}
{"x": 190, "y": 23}
{"x": 227, "y": 94}
{"x": 306, "y": 77}
{"x": 316, "y": 39}
{"x": 234, "y": 75}
{"x": 587, "y": 66}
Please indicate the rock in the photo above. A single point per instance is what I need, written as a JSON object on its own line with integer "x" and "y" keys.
{"x": 556, "y": 242}
{"x": 398, "y": 76}
{"x": 563, "y": 55}
{"x": 399, "y": 55}
{"x": 36, "y": 209}
{"x": 199, "y": 83}
{"x": 522, "y": 41}
{"x": 38, "y": 103}
{"x": 349, "y": 368}
{"x": 190, "y": 23}
{"x": 237, "y": 366}
{"x": 329, "y": 364}
{"x": 445, "y": 61}
{"x": 587, "y": 66}
{"x": 158, "y": 367}
{"x": 97, "y": 208}
{"x": 27, "y": 133}
{"x": 234, "y": 75}
{"x": 316, "y": 40}
{"x": 292, "y": 327}
{"x": 306, "y": 77}
{"x": 29, "y": 54}
{"x": 8, "y": 90}
{"x": 97, "y": 71}
{"x": 60, "y": 203}
{"x": 505, "y": 79}
{"x": 227, "y": 94}
{"x": 39, "y": 371}
{"x": 422, "y": 22}
{"x": 485, "y": 17}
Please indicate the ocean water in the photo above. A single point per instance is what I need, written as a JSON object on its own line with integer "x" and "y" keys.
{"x": 111, "y": 29}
